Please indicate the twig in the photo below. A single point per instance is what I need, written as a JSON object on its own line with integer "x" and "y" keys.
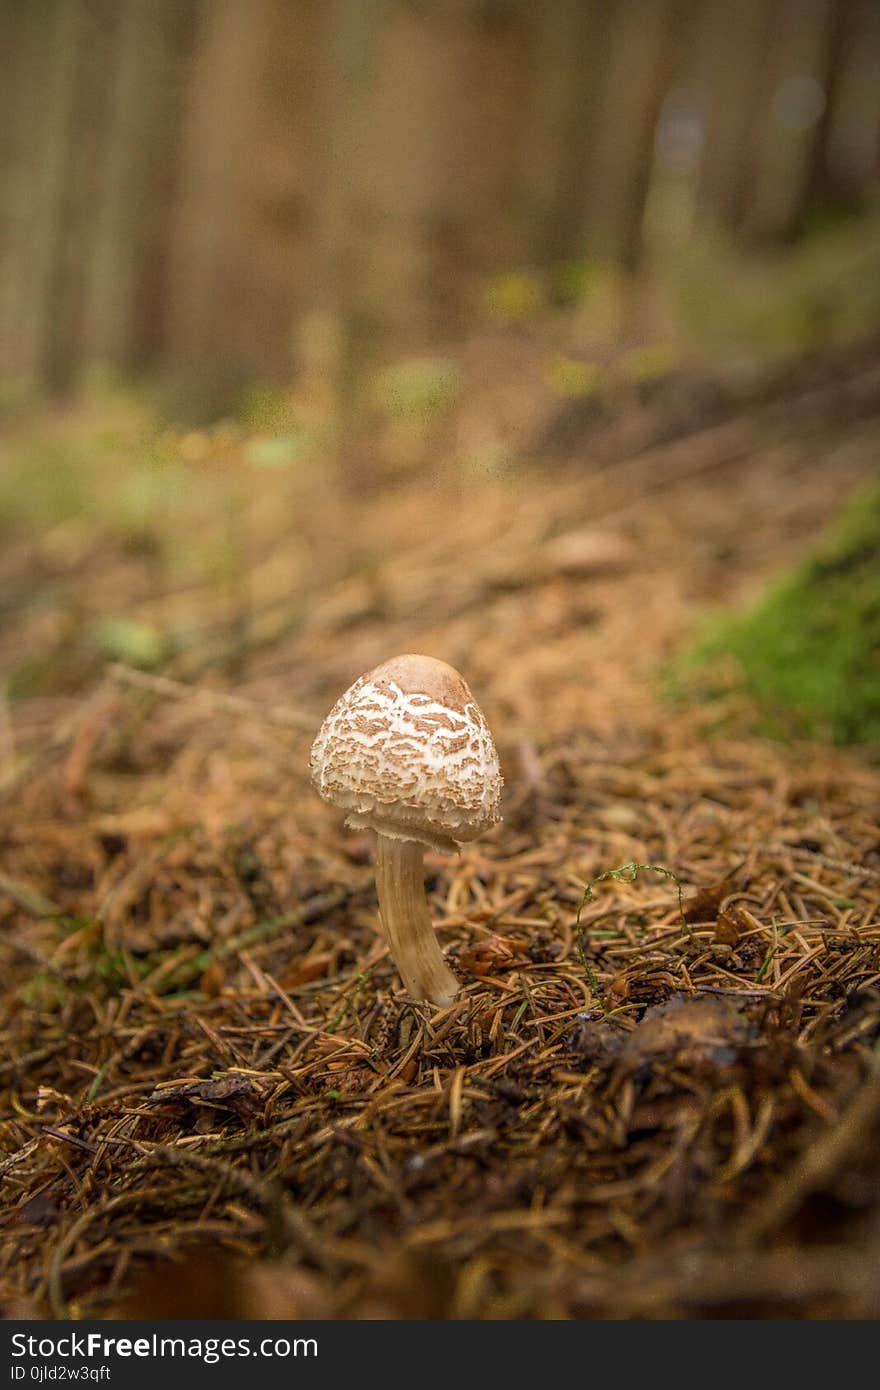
{"x": 29, "y": 898}
{"x": 69, "y": 1139}
{"x": 311, "y": 911}
{"x": 168, "y": 689}
{"x": 811, "y": 856}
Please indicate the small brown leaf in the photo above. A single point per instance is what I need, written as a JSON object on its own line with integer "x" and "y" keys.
{"x": 690, "y": 1032}
{"x": 40, "y": 1210}
{"x": 587, "y": 552}
{"x": 236, "y": 1093}
{"x": 598, "y": 1043}
{"x": 730, "y": 926}
{"x": 312, "y": 967}
{"x": 488, "y": 957}
{"x": 704, "y": 904}
{"x": 212, "y": 980}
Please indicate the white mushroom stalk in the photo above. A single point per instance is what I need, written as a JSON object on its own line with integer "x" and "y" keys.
{"x": 407, "y": 753}
{"x": 403, "y": 907}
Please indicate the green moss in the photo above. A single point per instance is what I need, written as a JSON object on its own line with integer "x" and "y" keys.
{"x": 808, "y": 656}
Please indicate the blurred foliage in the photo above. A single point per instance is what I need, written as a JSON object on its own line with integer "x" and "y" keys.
{"x": 130, "y": 537}
{"x": 648, "y": 364}
{"x": 137, "y": 644}
{"x": 267, "y": 409}
{"x": 123, "y": 537}
{"x": 282, "y": 450}
{"x": 824, "y": 290}
{"x": 569, "y": 282}
{"x": 808, "y": 656}
{"x": 420, "y": 389}
{"x": 119, "y": 480}
{"x": 570, "y": 377}
{"x": 516, "y": 296}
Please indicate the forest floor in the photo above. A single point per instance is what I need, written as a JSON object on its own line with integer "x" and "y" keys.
{"x": 216, "y": 1098}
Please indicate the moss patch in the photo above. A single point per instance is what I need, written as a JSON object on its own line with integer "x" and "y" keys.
{"x": 808, "y": 656}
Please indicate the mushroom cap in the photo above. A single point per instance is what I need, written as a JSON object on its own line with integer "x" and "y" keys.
{"x": 406, "y": 752}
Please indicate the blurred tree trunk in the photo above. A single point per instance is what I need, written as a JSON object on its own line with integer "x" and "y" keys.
{"x": 184, "y": 177}
{"x": 40, "y": 144}
{"x": 792, "y": 120}
{"x": 15, "y": 127}
{"x": 92, "y": 54}
{"x": 741, "y": 41}
{"x": 424, "y": 114}
{"x": 818, "y": 186}
{"x": 852, "y": 147}
{"x": 491, "y": 57}
{"x": 345, "y": 128}
{"x": 643, "y": 51}
{"x": 440, "y": 173}
{"x": 211, "y": 256}
{"x": 123, "y": 273}
{"x": 568, "y": 49}
{"x": 281, "y": 218}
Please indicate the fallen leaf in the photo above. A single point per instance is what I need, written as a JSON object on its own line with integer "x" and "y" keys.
{"x": 488, "y": 957}
{"x": 703, "y": 905}
{"x": 689, "y": 1032}
{"x": 40, "y": 1210}
{"x": 586, "y": 552}
{"x": 731, "y": 925}
{"x": 237, "y": 1093}
{"x": 312, "y": 967}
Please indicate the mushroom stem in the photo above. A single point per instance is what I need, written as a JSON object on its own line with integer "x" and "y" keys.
{"x": 403, "y": 905}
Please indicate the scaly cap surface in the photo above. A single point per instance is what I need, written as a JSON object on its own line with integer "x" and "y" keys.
{"x": 406, "y": 751}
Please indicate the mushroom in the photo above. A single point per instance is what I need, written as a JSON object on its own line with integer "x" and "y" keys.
{"x": 407, "y": 753}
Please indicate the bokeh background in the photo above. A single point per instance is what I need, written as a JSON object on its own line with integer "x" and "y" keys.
{"x": 542, "y": 336}
{"x": 218, "y": 194}
{"x": 258, "y": 257}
